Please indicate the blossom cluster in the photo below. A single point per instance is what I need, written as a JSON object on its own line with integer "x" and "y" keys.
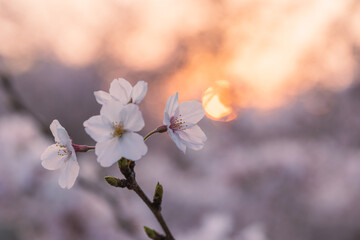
{"x": 115, "y": 130}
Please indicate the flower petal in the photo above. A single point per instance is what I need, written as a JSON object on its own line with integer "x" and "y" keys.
{"x": 98, "y": 128}
{"x": 111, "y": 110}
{"x": 131, "y": 118}
{"x": 191, "y": 112}
{"x": 102, "y": 97}
{"x": 120, "y": 89}
{"x": 108, "y": 152}
{"x": 59, "y": 133}
{"x": 139, "y": 91}
{"x": 54, "y": 129}
{"x": 166, "y": 119}
{"x": 175, "y": 137}
{"x": 132, "y": 146}
{"x": 171, "y": 105}
{"x": 50, "y": 158}
{"x": 69, "y": 173}
{"x": 193, "y": 137}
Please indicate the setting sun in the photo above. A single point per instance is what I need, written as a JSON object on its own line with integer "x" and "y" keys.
{"x": 217, "y": 102}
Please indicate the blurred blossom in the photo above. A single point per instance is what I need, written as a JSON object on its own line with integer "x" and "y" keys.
{"x": 253, "y": 232}
{"x": 20, "y": 157}
{"x": 213, "y": 226}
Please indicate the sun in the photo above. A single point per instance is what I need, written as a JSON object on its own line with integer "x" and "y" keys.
{"x": 217, "y": 102}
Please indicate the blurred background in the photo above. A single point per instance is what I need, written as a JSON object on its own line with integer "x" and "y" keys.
{"x": 279, "y": 81}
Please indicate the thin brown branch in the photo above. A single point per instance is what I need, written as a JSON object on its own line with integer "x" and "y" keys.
{"x": 127, "y": 169}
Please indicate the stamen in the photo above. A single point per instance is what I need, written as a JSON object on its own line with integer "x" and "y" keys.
{"x": 63, "y": 150}
{"x": 118, "y": 129}
{"x": 177, "y": 123}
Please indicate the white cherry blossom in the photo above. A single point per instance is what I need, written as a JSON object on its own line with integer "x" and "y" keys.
{"x": 181, "y": 121}
{"x": 122, "y": 91}
{"x": 114, "y": 131}
{"x": 61, "y": 155}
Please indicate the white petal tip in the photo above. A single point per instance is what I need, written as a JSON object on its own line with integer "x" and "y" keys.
{"x": 104, "y": 163}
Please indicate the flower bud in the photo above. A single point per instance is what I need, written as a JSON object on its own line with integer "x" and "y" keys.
{"x": 161, "y": 129}
{"x": 158, "y": 196}
{"x": 152, "y": 234}
{"x": 116, "y": 182}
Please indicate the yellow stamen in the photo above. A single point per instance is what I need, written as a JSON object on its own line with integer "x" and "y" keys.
{"x": 118, "y": 129}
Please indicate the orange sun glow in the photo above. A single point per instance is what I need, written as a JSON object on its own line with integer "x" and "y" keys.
{"x": 217, "y": 102}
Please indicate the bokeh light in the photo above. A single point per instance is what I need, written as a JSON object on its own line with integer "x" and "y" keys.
{"x": 217, "y": 102}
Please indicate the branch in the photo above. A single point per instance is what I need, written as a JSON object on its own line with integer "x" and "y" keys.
{"x": 127, "y": 169}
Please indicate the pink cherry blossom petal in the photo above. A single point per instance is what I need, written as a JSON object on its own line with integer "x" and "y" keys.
{"x": 50, "y": 158}
{"x": 139, "y": 91}
{"x": 191, "y": 112}
{"x": 171, "y": 104}
{"x": 132, "y": 146}
{"x": 131, "y": 118}
{"x": 98, "y": 128}
{"x": 102, "y": 97}
{"x": 175, "y": 137}
{"x": 111, "y": 110}
{"x": 120, "y": 89}
{"x": 108, "y": 152}
{"x": 59, "y": 132}
{"x": 193, "y": 137}
{"x": 69, "y": 173}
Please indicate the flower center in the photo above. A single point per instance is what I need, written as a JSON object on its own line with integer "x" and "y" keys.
{"x": 177, "y": 123}
{"x": 63, "y": 150}
{"x": 118, "y": 129}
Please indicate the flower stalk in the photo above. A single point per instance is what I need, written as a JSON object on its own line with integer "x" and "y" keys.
{"x": 127, "y": 169}
{"x": 160, "y": 129}
{"x": 82, "y": 148}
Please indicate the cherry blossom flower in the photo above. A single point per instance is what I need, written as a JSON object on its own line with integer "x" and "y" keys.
{"x": 114, "y": 131}
{"x": 181, "y": 121}
{"x": 61, "y": 155}
{"x": 122, "y": 91}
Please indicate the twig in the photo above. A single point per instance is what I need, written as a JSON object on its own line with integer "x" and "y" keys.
{"x": 127, "y": 169}
{"x": 18, "y": 105}
{"x": 155, "y": 211}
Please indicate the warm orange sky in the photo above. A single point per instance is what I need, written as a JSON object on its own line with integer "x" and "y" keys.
{"x": 265, "y": 51}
